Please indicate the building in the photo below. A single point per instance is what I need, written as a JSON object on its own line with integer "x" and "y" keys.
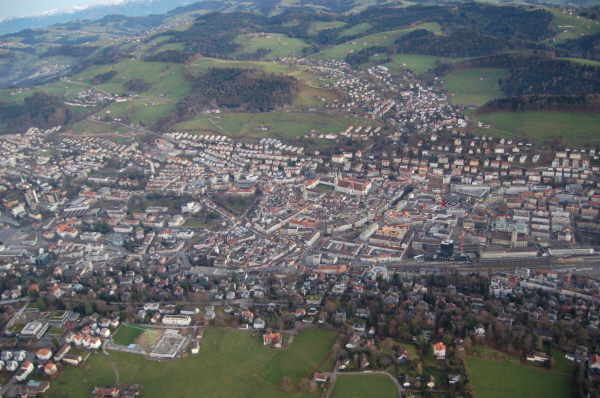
{"x": 34, "y": 330}
{"x": 439, "y": 350}
{"x": 177, "y": 320}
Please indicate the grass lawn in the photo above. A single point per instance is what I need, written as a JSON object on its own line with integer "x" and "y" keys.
{"x": 306, "y": 352}
{"x": 367, "y": 385}
{"x": 562, "y": 364}
{"x": 126, "y": 335}
{"x": 498, "y": 379}
{"x": 97, "y": 371}
{"x": 474, "y": 86}
{"x": 583, "y": 61}
{"x": 226, "y": 367}
{"x": 576, "y": 128}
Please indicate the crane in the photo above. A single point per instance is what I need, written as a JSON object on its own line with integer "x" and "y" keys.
{"x": 150, "y": 331}
{"x": 462, "y": 241}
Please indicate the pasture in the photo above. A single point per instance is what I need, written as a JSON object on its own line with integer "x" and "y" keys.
{"x": 577, "y": 129}
{"x": 228, "y": 365}
{"x": 367, "y": 385}
{"x": 474, "y": 86}
{"x": 498, "y": 379}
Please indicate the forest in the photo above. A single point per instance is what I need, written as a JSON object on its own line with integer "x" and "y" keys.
{"x": 104, "y": 77}
{"x": 554, "y": 77}
{"x": 563, "y": 103}
{"x": 246, "y": 89}
{"x": 41, "y": 110}
{"x": 176, "y": 56}
{"x": 69, "y": 50}
{"x": 138, "y": 85}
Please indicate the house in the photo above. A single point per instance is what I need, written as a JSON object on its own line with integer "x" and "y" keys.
{"x": 274, "y": 338}
{"x": 320, "y": 377}
{"x": 430, "y": 381}
{"x": 454, "y": 378}
{"x": 62, "y": 352}
{"x": 439, "y": 350}
{"x": 536, "y": 356}
{"x": 105, "y": 392}
{"x": 406, "y": 380}
{"x": 401, "y": 353}
{"x": 95, "y": 343}
{"x": 72, "y": 359}
{"x": 35, "y": 387}
{"x": 195, "y": 348}
{"x": 50, "y": 369}
{"x": 259, "y": 324}
{"x": 479, "y": 330}
{"x": 43, "y": 354}
{"x": 24, "y": 371}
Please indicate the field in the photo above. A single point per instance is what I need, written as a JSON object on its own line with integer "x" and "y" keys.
{"x": 308, "y": 349}
{"x": 416, "y": 63}
{"x": 355, "y": 30}
{"x": 367, "y": 385}
{"x": 377, "y": 39}
{"x": 226, "y": 367}
{"x": 280, "y": 45}
{"x": 126, "y": 335}
{"x": 571, "y": 27}
{"x": 583, "y": 61}
{"x": 316, "y": 27}
{"x": 576, "y": 128}
{"x": 277, "y": 125}
{"x": 96, "y": 372}
{"x": 474, "y": 86}
{"x": 499, "y": 379}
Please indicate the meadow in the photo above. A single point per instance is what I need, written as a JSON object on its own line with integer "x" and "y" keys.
{"x": 367, "y": 385}
{"x": 228, "y": 365}
{"x": 499, "y": 379}
{"x": 279, "y": 45}
{"x": 571, "y": 26}
{"x": 577, "y": 129}
{"x": 474, "y": 86}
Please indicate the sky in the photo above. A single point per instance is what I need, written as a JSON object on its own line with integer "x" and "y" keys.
{"x": 17, "y": 8}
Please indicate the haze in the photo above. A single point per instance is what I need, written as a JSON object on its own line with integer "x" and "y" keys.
{"x": 11, "y": 8}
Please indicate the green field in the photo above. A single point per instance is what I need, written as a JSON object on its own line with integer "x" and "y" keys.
{"x": 377, "y": 39}
{"x": 126, "y": 335}
{"x": 571, "y": 27}
{"x": 308, "y": 349}
{"x": 278, "y": 125}
{"x": 227, "y": 366}
{"x": 583, "y": 61}
{"x": 367, "y": 385}
{"x": 96, "y": 372}
{"x": 356, "y": 30}
{"x": 474, "y": 86}
{"x": 499, "y": 379}
{"x": 280, "y": 45}
{"x": 576, "y": 128}
{"x": 416, "y": 63}
{"x": 316, "y": 27}
{"x": 562, "y": 364}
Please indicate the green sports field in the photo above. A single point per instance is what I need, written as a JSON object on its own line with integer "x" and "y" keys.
{"x": 367, "y": 385}
{"x": 126, "y": 335}
{"x": 498, "y": 379}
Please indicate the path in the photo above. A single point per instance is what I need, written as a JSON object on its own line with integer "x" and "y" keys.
{"x": 114, "y": 365}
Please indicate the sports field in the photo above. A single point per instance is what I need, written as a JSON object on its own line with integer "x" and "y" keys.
{"x": 498, "y": 379}
{"x": 367, "y": 385}
{"x": 228, "y": 365}
{"x": 126, "y": 335}
{"x": 474, "y": 86}
{"x": 576, "y": 128}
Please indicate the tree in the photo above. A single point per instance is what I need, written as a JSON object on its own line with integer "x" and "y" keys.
{"x": 41, "y": 304}
{"x": 286, "y": 384}
{"x": 330, "y": 307}
{"x": 101, "y": 307}
{"x": 88, "y": 308}
{"x": 308, "y": 385}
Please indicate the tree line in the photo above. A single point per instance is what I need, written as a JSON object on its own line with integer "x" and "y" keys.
{"x": 525, "y": 103}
